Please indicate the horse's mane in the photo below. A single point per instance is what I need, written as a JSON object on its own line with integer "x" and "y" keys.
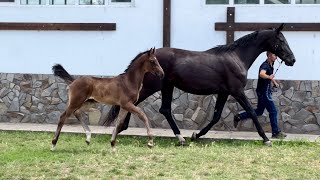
{"x": 243, "y": 41}
{"x": 133, "y": 60}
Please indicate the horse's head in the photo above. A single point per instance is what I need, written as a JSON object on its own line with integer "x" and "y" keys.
{"x": 152, "y": 65}
{"x": 279, "y": 46}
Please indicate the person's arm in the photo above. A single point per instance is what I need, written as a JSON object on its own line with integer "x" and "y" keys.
{"x": 274, "y": 82}
{"x": 263, "y": 74}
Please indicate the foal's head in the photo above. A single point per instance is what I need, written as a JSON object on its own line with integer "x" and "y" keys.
{"x": 151, "y": 63}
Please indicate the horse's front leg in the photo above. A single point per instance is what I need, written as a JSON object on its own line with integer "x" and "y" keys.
{"x": 242, "y": 99}
{"x": 221, "y": 101}
{"x": 83, "y": 118}
{"x": 138, "y": 112}
{"x": 165, "y": 109}
{"x": 116, "y": 130}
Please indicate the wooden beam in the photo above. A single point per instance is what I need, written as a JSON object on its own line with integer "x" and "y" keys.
{"x": 166, "y": 23}
{"x": 58, "y": 26}
{"x": 230, "y": 23}
{"x": 260, "y": 26}
{"x": 231, "y": 26}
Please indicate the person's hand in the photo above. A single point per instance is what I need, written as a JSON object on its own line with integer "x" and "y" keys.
{"x": 276, "y": 84}
{"x": 271, "y": 76}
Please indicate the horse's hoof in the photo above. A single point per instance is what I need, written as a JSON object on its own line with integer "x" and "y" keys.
{"x": 194, "y": 136}
{"x": 182, "y": 143}
{"x": 113, "y": 150}
{"x": 150, "y": 144}
{"x": 53, "y": 148}
{"x": 88, "y": 142}
{"x": 268, "y": 143}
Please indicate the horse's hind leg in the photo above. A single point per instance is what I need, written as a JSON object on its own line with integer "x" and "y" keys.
{"x": 165, "y": 109}
{"x": 119, "y": 123}
{"x": 221, "y": 100}
{"x": 82, "y": 117}
{"x": 63, "y": 118}
{"x": 138, "y": 112}
{"x": 242, "y": 99}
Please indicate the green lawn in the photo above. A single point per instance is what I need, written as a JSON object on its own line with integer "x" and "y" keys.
{"x": 27, "y": 155}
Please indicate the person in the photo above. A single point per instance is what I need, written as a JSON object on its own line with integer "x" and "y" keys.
{"x": 264, "y": 91}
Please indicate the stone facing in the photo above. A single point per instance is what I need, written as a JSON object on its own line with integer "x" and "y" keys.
{"x": 41, "y": 98}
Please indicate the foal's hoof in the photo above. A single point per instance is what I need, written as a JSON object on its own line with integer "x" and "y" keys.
{"x": 53, "y": 147}
{"x": 150, "y": 144}
{"x": 268, "y": 143}
{"x": 113, "y": 149}
{"x": 88, "y": 142}
{"x": 194, "y": 136}
{"x": 182, "y": 143}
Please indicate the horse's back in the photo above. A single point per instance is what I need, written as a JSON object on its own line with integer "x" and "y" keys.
{"x": 202, "y": 72}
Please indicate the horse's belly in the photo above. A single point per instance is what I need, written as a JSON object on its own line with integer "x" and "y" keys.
{"x": 105, "y": 100}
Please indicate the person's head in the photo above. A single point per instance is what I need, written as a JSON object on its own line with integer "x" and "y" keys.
{"x": 271, "y": 57}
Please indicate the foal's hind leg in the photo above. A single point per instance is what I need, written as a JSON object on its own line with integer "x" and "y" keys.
{"x": 63, "y": 118}
{"x": 82, "y": 117}
{"x": 138, "y": 112}
{"x": 76, "y": 100}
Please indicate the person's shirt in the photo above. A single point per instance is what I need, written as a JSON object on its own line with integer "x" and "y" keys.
{"x": 264, "y": 84}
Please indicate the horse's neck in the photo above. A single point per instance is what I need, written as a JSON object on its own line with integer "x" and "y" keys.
{"x": 135, "y": 77}
{"x": 249, "y": 54}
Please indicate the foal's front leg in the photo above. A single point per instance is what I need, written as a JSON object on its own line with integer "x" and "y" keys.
{"x": 138, "y": 112}
{"x": 119, "y": 122}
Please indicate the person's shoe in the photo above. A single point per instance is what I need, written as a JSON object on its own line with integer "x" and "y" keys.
{"x": 280, "y": 135}
{"x": 236, "y": 120}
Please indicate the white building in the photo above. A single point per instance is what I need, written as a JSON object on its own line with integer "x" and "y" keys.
{"x": 139, "y": 26}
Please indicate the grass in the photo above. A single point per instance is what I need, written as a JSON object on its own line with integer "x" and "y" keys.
{"x": 27, "y": 155}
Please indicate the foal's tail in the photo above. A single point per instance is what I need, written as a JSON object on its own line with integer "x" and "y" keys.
{"x": 112, "y": 115}
{"x": 59, "y": 71}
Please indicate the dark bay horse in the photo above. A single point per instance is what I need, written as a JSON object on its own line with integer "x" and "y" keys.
{"x": 221, "y": 70}
{"x": 122, "y": 90}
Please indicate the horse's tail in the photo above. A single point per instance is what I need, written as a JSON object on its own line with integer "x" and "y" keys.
{"x": 59, "y": 71}
{"x": 112, "y": 115}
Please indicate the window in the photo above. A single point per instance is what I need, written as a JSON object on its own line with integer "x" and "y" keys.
{"x": 246, "y": 1}
{"x": 307, "y": 1}
{"x": 123, "y": 1}
{"x": 277, "y": 2}
{"x": 91, "y": 2}
{"x": 217, "y": 1}
{"x": 33, "y": 2}
{"x": 62, "y": 2}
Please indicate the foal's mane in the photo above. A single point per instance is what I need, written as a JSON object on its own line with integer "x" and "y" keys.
{"x": 243, "y": 41}
{"x": 133, "y": 60}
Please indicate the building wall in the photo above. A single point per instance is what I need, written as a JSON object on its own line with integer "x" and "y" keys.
{"x": 29, "y": 93}
{"x": 34, "y": 98}
{"x": 139, "y": 27}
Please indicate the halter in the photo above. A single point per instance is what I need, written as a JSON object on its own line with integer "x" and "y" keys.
{"x": 278, "y": 66}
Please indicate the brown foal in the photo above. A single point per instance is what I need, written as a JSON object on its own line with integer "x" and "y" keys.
{"x": 122, "y": 90}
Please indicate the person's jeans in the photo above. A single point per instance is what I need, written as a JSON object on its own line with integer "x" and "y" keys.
{"x": 265, "y": 101}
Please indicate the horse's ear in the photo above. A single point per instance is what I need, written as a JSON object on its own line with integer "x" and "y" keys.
{"x": 154, "y": 50}
{"x": 280, "y": 28}
{"x": 150, "y": 52}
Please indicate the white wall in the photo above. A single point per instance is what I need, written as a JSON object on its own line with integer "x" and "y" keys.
{"x": 140, "y": 27}
{"x": 193, "y": 28}
{"x": 81, "y": 52}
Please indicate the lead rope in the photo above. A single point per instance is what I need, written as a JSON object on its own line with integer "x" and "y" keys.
{"x": 274, "y": 88}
